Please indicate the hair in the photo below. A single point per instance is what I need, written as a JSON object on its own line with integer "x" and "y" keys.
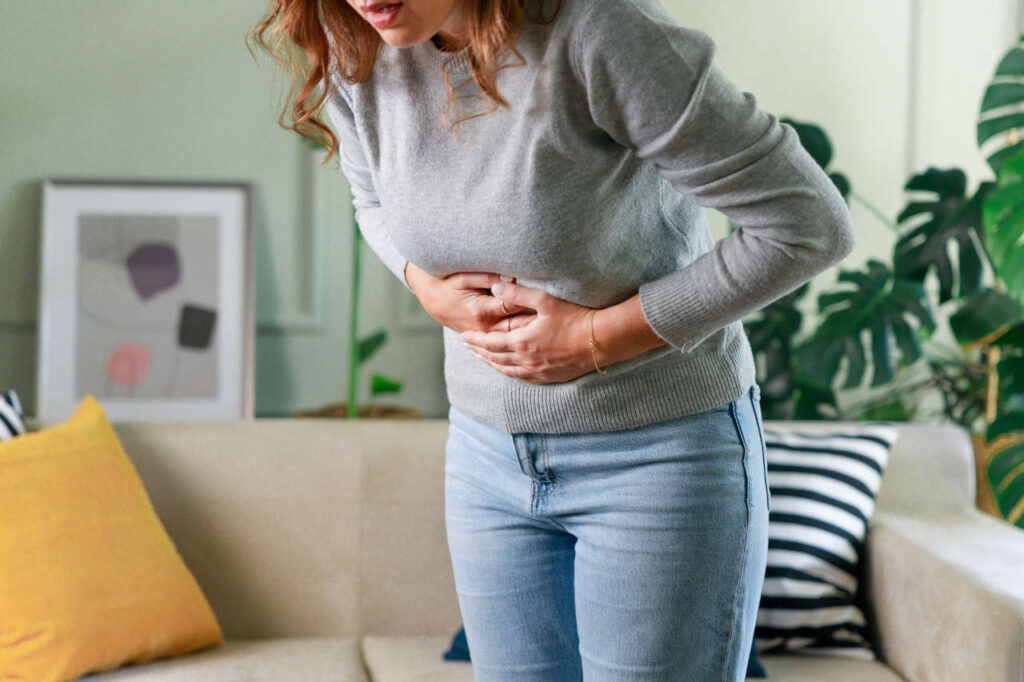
{"x": 317, "y": 38}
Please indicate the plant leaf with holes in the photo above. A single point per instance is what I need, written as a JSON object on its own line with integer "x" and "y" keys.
{"x": 879, "y": 305}
{"x": 952, "y": 218}
{"x": 1002, "y": 110}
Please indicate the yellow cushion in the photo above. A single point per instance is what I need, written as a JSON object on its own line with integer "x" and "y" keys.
{"x": 89, "y": 578}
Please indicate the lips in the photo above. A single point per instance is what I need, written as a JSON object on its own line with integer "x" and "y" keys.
{"x": 377, "y": 5}
{"x": 383, "y": 14}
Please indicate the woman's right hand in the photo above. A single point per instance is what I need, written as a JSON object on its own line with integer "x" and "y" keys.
{"x": 463, "y": 300}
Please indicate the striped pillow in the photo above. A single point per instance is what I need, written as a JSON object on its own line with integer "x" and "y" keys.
{"x": 12, "y": 421}
{"x": 823, "y": 489}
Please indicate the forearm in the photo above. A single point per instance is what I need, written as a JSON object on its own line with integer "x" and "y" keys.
{"x": 621, "y": 331}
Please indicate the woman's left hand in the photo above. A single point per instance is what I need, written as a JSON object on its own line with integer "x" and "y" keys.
{"x": 552, "y": 345}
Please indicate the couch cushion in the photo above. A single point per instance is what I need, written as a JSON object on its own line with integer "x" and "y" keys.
{"x": 418, "y": 659}
{"x": 292, "y": 659}
{"x": 407, "y": 658}
{"x": 812, "y": 668}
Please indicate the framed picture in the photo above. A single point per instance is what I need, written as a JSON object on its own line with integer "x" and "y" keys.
{"x": 146, "y": 300}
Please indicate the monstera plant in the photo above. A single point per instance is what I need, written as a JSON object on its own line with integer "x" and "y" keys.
{"x": 881, "y": 318}
{"x": 893, "y": 312}
{"x": 999, "y": 324}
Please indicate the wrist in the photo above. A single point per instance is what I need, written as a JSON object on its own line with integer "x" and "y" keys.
{"x": 622, "y": 332}
{"x": 598, "y": 340}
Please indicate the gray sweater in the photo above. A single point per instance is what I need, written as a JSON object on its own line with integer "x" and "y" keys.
{"x": 590, "y": 187}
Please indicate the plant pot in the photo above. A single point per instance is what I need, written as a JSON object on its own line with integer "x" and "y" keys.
{"x": 374, "y": 411}
{"x": 983, "y": 495}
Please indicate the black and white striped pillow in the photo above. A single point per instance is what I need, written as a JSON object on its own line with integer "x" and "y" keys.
{"x": 823, "y": 489}
{"x": 12, "y": 421}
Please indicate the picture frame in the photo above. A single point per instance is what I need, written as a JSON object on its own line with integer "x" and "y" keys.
{"x": 146, "y": 299}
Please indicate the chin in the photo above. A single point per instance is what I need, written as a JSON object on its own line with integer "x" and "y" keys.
{"x": 395, "y": 39}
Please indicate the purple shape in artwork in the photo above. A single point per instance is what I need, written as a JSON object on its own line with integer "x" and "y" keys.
{"x": 153, "y": 268}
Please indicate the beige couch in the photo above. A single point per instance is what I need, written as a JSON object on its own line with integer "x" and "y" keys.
{"x": 321, "y": 547}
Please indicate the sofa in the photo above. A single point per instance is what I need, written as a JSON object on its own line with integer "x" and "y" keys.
{"x": 320, "y": 545}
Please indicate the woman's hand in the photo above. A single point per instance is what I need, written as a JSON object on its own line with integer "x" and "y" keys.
{"x": 551, "y": 344}
{"x": 462, "y": 301}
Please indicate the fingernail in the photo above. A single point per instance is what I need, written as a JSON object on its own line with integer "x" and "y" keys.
{"x": 507, "y": 278}
{"x": 497, "y": 288}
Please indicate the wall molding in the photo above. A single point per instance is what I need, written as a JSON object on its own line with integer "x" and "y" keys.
{"x": 316, "y": 215}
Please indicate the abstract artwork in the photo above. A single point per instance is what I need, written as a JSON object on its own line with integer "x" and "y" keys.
{"x": 146, "y": 300}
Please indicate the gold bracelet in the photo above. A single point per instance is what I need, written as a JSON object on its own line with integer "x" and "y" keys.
{"x": 593, "y": 343}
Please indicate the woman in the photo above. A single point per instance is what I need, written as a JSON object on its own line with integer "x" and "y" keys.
{"x": 606, "y": 492}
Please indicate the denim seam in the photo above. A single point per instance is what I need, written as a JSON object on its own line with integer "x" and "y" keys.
{"x": 743, "y": 562}
{"x": 764, "y": 451}
{"x": 547, "y": 486}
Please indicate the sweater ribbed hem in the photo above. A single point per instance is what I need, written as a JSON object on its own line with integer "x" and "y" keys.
{"x": 453, "y": 62}
{"x": 644, "y": 391}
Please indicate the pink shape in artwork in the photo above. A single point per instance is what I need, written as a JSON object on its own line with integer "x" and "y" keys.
{"x": 128, "y": 363}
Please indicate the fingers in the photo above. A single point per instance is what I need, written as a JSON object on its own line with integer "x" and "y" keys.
{"x": 499, "y": 340}
{"x": 509, "y": 322}
{"x": 504, "y": 308}
{"x": 519, "y": 296}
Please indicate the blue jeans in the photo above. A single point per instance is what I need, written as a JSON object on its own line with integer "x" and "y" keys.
{"x": 636, "y": 554}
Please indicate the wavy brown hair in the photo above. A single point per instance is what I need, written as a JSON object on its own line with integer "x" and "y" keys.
{"x": 295, "y": 34}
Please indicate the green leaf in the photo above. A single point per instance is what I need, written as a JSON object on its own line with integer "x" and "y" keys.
{"x": 1009, "y": 422}
{"x": 953, "y": 219}
{"x": 998, "y": 115}
{"x": 813, "y": 139}
{"x": 383, "y": 384}
{"x": 889, "y": 411}
{"x": 842, "y": 184}
{"x": 1003, "y": 219}
{"x": 879, "y": 307}
{"x": 1005, "y": 473}
{"x": 811, "y": 399}
{"x": 371, "y": 344}
{"x": 1013, "y": 339}
{"x": 1011, "y": 382}
{"x": 982, "y": 314}
{"x": 771, "y": 332}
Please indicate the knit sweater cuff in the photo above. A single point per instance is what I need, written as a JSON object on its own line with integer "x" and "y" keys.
{"x": 673, "y": 307}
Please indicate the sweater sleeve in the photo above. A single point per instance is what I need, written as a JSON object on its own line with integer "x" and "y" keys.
{"x": 651, "y": 86}
{"x": 369, "y": 213}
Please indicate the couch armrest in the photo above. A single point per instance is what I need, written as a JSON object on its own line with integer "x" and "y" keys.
{"x": 945, "y": 596}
